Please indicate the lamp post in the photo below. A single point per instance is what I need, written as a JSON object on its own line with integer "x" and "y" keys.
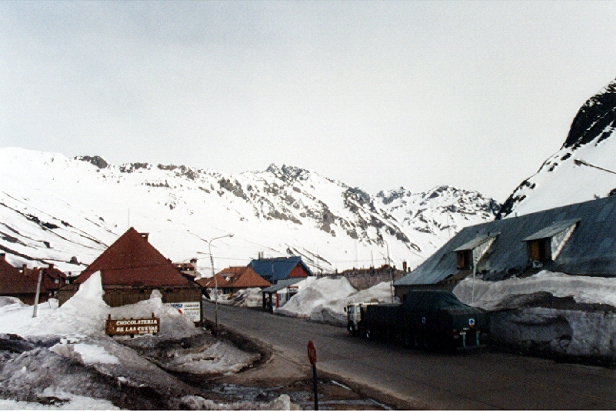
{"x": 391, "y": 276}
{"x": 215, "y": 281}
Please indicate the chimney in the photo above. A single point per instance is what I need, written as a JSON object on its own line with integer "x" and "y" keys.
{"x": 145, "y": 235}
{"x": 25, "y": 269}
{"x": 50, "y": 267}
{"x": 404, "y": 266}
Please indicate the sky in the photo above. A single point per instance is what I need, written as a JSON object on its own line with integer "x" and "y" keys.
{"x": 375, "y": 94}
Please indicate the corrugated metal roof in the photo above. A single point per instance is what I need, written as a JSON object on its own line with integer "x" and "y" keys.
{"x": 476, "y": 242}
{"x": 589, "y": 251}
{"x": 552, "y": 230}
{"x": 282, "y": 284}
{"x": 276, "y": 269}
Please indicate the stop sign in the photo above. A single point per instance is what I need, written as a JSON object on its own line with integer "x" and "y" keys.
{"x": 312, "y": 353}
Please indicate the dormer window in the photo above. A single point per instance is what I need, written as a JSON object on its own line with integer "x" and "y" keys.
{"x": 473, "y": 250}
{"x": 547, "y": 243}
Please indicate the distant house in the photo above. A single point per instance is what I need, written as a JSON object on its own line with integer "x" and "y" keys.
{"x": 52, "y": 280}
{"x": 232, "y": 279}
{"x": 281, "y": 268}
{"x": 188, "y": 270}
{"x": 240, "y": 278}
{"x": 22, "y": 284}
{"x": 280, "y": 293}
{"x": 131, "y": 268}
{"x": 578, "y": 239}
{"x": 208, "y": 284}
{"x": 14, "y": 283}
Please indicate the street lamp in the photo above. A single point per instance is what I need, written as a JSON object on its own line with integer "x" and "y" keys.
{"x": 215, "y": 281}
{"x": 391, "y": 277}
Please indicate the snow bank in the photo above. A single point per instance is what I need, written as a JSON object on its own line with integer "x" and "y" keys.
{"x": 491, "y": 295}
{"x": 73, "y": 337}
{"x": 69, "y": 402}
{"x": 249, "y": 297}
{"x": 85, "y": 314}
{"x": 589, "y": 333}
{"x": 324, "y": 300}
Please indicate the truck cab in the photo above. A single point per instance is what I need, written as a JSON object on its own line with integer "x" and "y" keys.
{"x": 354, "y": 316}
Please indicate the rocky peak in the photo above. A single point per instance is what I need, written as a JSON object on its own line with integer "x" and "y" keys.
{"x": 388, "y": 197}
{"x": 95, "y": 160}
{"x": 596, "y": 118}
{"x": 577, "y": 172}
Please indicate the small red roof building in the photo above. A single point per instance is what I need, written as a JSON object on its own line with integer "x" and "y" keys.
{"x": 243, "y": 277}
{"x": 22, "y": 284}
{"x": 211, "y": 282}
{"x": 14, "y": 283}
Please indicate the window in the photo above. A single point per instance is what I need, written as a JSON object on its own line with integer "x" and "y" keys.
{"x": 471, "y": 252}
{"x": 547, "y": 243}
{"x": 465, "y": 258}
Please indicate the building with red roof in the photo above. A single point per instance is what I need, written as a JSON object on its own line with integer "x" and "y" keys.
{"x": 131, "y": 268}
{"x": 243, "y": 277}
{"x": 14, "y": 283}
{"x": 22, "y": 284}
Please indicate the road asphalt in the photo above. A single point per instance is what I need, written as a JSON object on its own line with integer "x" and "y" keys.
{"x": 473, "y": 379}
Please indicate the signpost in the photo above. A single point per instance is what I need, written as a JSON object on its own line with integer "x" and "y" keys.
{"x": 191, "y": 310}
{"x": 132, "y": 326}
{"x": 312, "y": 356}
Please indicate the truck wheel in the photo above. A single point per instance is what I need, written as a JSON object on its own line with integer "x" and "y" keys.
{"x": 429, "y": 342}
{"x": 351, "y": 330}
{"x": 369, "y": 334}
{"x": 409, "y": 339}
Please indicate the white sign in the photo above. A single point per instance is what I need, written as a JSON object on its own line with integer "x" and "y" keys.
{"x": 191, "y": 310}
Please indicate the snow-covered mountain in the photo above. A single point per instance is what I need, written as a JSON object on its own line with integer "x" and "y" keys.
{"x": 54, "y": 209}
{"x": 583, "y": 169}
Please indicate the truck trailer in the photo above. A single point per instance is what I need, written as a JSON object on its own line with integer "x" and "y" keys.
{"x": 425, "y": 319}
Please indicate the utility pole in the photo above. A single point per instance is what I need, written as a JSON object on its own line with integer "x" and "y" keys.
{"x": 391, "y": 275}
{"x": 215, "y": 281}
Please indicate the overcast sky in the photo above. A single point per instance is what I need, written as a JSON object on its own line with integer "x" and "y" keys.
{"x": 375, "y": 94}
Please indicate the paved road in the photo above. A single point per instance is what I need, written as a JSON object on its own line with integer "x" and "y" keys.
{"x": 469, "y": 380}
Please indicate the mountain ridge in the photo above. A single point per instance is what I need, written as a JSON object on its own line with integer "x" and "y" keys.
{"x": 87, "y": 202}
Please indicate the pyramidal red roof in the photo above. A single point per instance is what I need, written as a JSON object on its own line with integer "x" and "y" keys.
{"x": 132, "y": 260}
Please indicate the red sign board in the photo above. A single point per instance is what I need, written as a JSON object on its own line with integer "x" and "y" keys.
{"x": 312, "y": 353}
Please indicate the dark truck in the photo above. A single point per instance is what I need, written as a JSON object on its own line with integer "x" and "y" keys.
{"x": 425, "y": 319}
